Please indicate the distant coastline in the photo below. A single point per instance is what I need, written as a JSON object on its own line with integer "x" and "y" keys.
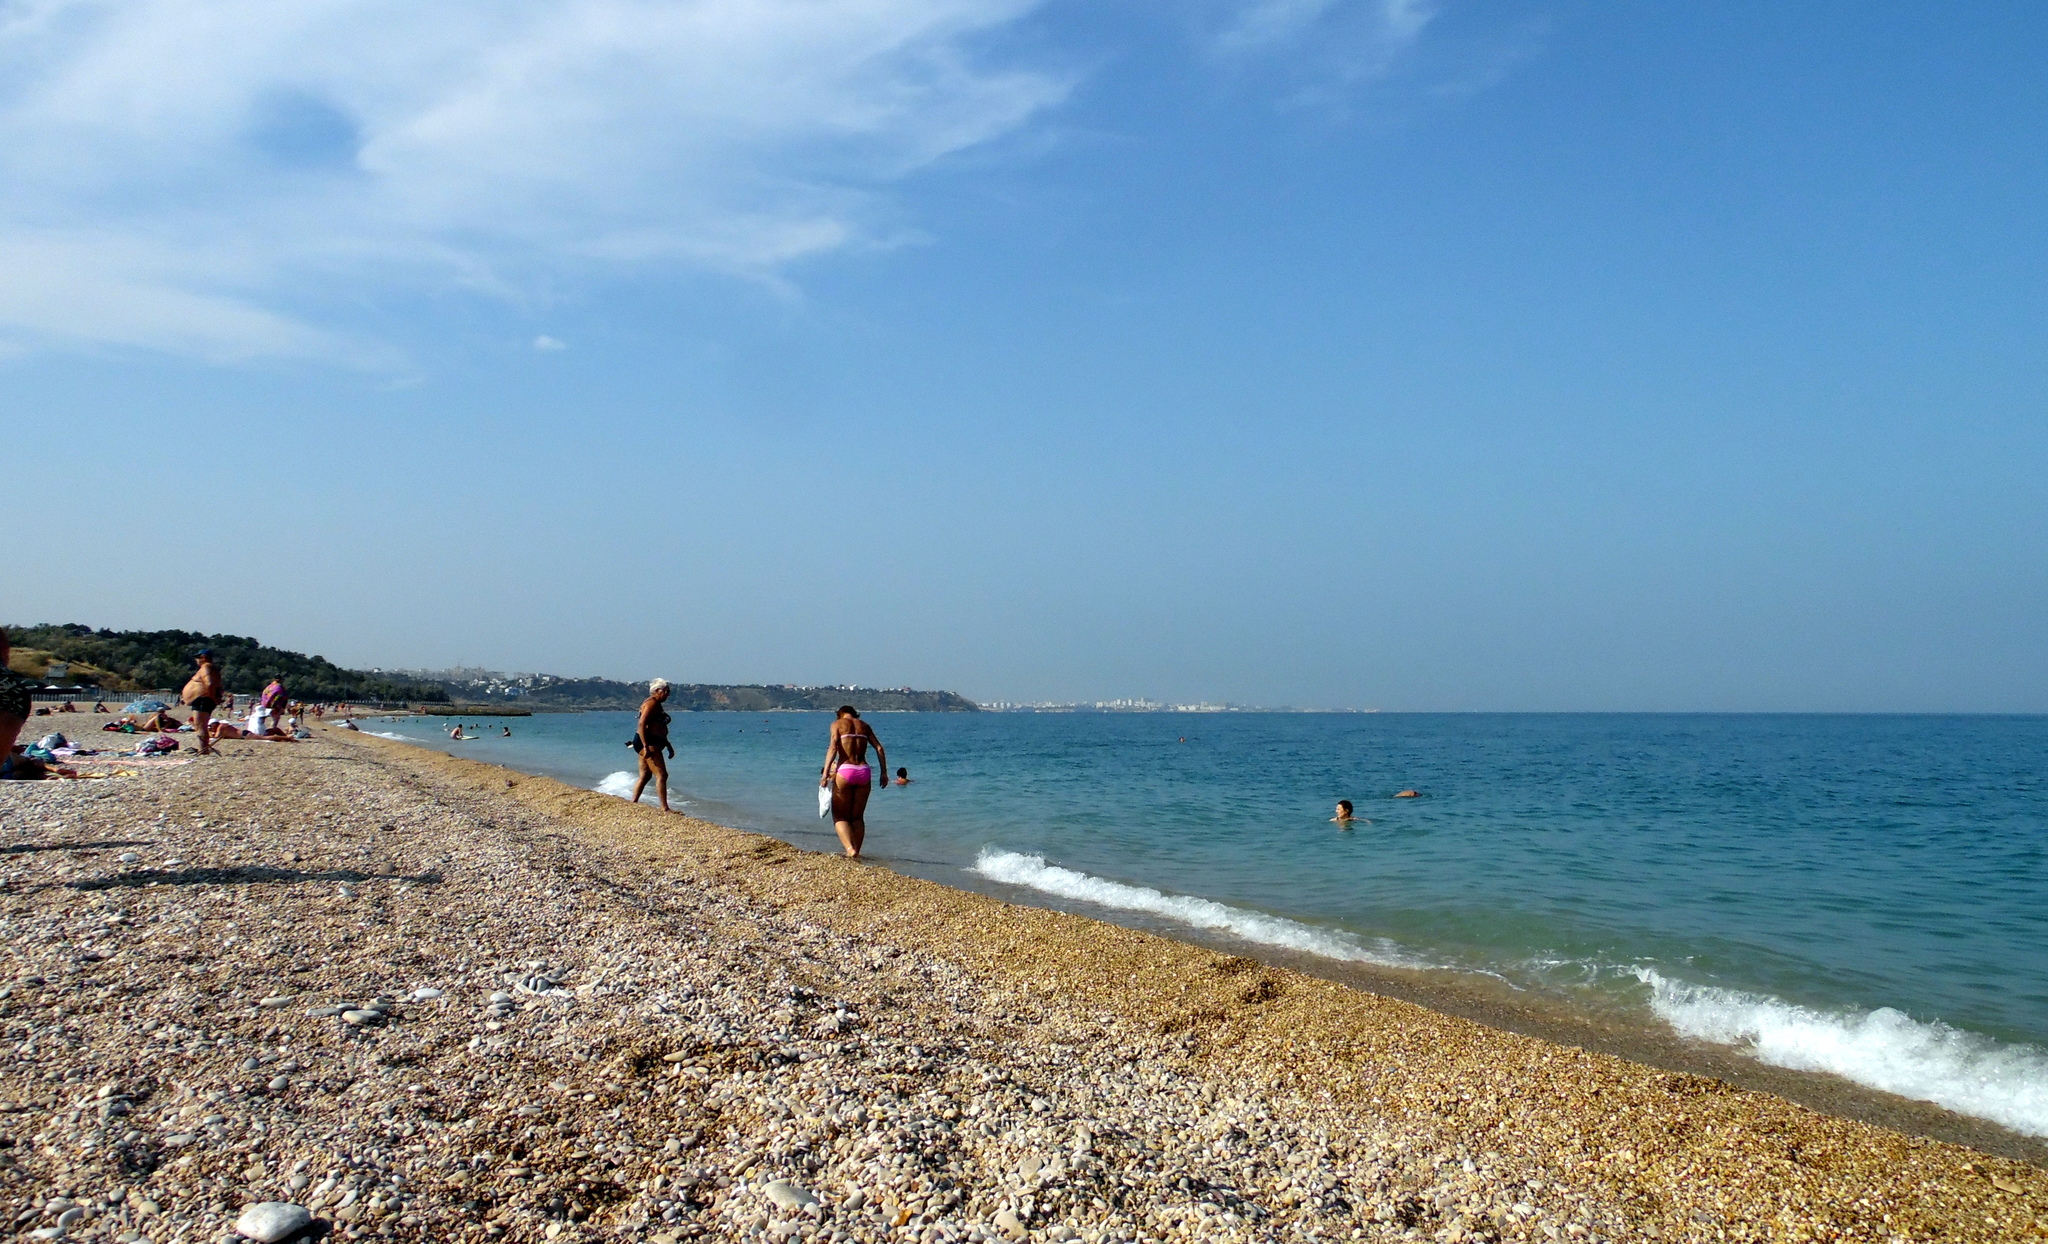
{"x": 543, "y": 693}
{"x": 1150, "y": 706}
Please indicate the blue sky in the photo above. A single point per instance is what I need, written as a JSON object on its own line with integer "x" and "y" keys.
{"x": 1316, "y": 352}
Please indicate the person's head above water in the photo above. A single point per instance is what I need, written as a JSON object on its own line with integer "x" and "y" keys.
{"x": 1343, "y": 810}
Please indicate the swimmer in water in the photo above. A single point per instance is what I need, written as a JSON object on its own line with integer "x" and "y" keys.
{"x": 1408, "y": 794}
{"x": 508, "y": 732}
{"x": 1343, "y": 816}
{"x": 902, "y": 777}
{"x": 852, "y": 781}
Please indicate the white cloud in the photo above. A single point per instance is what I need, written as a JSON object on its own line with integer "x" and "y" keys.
{"x": 198, "y": 175}
{"x": 546, "y": 344}
{"x": 1352, "y": 39}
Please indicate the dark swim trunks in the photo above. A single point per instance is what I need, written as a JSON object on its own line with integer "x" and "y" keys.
{"x": 204, "y": 704}
{"x": 14, "y": 694}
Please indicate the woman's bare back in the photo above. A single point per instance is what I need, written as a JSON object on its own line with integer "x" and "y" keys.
{"x": 850, "y": 739}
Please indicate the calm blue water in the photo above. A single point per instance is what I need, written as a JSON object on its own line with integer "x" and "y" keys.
{"x": 1859, "y": 895}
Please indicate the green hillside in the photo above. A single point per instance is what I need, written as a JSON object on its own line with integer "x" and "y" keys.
{"x": 159, "y": 660}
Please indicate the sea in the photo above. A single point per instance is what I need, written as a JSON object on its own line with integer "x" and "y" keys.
{"x": 1861, "y": 896}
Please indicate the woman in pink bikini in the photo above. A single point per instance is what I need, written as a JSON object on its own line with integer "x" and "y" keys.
{"x": 852, "y": 781}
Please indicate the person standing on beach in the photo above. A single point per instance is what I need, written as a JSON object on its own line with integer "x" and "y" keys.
{"x": 271, "y": 705}
{"x": 852, "y": 781}
{"x": 202, "y": 694}
{"x": 652, "y": 740}
{"x": 16, "y": 704}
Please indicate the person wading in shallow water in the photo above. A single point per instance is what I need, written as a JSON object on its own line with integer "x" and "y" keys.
{"x": 652, "y": 741}
{"x": 851, "y": 780}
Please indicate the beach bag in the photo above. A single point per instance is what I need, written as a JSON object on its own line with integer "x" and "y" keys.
{"x": 824, "y": 801}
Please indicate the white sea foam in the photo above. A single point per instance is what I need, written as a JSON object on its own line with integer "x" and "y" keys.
{"x": 386, "y": 734}
{"x": 1032, "y": 872}
{"x": 620, "y": 784}
{"x": 1883, "y": 1049}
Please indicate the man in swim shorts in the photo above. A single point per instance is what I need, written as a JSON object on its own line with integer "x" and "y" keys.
{"x": 851, "y": 780}
{"x": 202, "y": 693}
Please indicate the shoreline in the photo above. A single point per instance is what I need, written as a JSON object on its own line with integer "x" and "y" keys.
{"x": 725, "y": 1009}
{"x": 1444, "y": 995}
{"x": 1453, "y": 994}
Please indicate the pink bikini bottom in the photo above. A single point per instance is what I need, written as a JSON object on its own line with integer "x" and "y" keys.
{"x": 855, "y": 775}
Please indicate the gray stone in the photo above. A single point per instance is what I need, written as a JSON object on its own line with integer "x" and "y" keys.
{"x": 426, "y": 993}
{"x": 70, "y": 1217}
{"x": 271, "y": 1221}
{"x": 1007, "y": 1222}
{"x": 326, "y": 1012}
{"x": 178, "y": 1140}
{"x": 279, "y": 1002}
{"x": 129, "y": 857}
{"x": 280, "y": 1084}
{"x": 788, "y": 1195}
{"x": 362, "y": 1019}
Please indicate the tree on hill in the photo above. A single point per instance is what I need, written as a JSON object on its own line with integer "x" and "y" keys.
{"x": 155, "y": 660}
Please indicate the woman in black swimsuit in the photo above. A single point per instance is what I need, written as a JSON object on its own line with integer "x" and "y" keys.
{"x": 652, "y": 741}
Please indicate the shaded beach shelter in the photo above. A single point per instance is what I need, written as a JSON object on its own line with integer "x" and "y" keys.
{"x": 148, "y": 704}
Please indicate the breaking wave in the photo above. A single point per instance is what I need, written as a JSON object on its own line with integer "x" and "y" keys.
{"x": 1882, "y": 1049}
{"x": 1032, "y": 872}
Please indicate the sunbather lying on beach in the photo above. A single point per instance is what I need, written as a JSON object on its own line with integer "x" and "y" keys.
{"x": 219, "y": 730}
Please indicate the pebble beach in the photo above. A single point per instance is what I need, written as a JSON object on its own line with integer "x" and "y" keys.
{"x": 396, "y": 995}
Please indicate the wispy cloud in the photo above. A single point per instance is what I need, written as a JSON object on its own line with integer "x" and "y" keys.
{"x": 190, "y": 175}
{"x": 1343, "y": 41}
{"x": 548, "y": 345}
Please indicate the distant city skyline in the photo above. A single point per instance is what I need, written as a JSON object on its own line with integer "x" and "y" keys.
{"x": 1442, "y": 356}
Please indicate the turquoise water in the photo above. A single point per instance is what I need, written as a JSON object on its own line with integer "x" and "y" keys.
{"x": 1857, "y": 895}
